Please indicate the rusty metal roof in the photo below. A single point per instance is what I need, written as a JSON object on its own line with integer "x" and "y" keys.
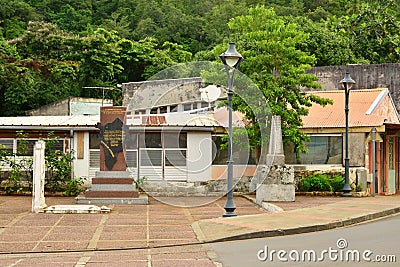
{"x": 368, "y": 107}
{"x": 173, "y": 119}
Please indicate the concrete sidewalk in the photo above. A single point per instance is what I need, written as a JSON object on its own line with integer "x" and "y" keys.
{"x": 340, "y": 212}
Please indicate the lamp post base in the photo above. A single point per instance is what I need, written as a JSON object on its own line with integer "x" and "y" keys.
{"x": 229, "y": 213}
{"x": 229, "y": 206}
{"x": 346, "y": 191}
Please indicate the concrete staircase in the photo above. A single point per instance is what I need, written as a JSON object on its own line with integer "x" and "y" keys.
{"x": 112, "y": 187}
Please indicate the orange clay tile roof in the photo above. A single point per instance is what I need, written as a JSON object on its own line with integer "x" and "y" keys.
{"x": 368, "y": 107}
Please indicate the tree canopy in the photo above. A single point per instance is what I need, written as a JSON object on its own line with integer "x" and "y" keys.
{"x": 273, "y": 62}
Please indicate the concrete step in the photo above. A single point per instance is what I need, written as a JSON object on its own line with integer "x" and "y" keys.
{"x": 141, "y": 200}
{"x": 112, "y": 180}
{"x": 112, "y": 174}
{"x": 112, "y": 187}
{"x": 111, "y": 194}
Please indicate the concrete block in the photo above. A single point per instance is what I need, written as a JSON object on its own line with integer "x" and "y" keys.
{"x": 275, "y": 192}
{"x": 141, "y": 200}
{"x": 112, "y": 174}
{"x": 68, "y": 209}
{"x": 271, "y": 207}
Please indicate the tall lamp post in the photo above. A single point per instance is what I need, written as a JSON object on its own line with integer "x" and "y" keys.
{"x": 347, "y": 83}
{"x": 231, "y": 59}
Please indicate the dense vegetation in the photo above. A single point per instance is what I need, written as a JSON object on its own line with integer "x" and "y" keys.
{"x": 51, "y": 49}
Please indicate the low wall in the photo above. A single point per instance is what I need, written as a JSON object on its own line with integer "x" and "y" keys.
{"x": 221, "y": 171}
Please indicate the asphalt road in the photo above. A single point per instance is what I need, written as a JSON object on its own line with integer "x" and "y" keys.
{"x": 375, "y": 243}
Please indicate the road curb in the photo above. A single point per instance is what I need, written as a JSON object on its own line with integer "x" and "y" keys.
{"x": 308, "y": 229}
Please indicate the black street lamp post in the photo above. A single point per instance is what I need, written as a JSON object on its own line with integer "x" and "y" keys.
{"x": 231, "y": 59}
{"x": 347, "y": 83}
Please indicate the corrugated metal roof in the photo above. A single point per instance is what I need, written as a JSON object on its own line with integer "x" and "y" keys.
{"x": 50, "y": 121}
{"x": 173, "y": 119}
{"x": 368, "y": 107}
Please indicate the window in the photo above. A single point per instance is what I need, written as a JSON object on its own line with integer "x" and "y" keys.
{"x": 240, "y": 156}
{"x": 322, "y": 150}
{"x": 158, "y": 149}
{"x": 175, "y": 157}
{"x": 94, "y": 150}
{"x": 25, "y": 147}
{"x": 204, "y": 105}
{"x": 131, "y": 158}
{"x": 58, "y": 145}
{"x": 130, "y": 140}
{"x": 187, "y": 107}
{"x": 150, "y": 157}
{"x": 150, "y": 140}
{"x": 94, "y": 141}
{"x": 8, "y": 145}
{"x": 175, "y": 140}
{"x": 163, "y": 109}
{"x": 94, "y": 158}
{"x": 173, "y": 108}
{"x": 175, "y": 144}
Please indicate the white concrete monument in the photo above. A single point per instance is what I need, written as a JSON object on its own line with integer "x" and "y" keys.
{"x": 39, "y": 168}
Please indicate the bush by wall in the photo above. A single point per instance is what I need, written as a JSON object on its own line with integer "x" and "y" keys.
{"x": 321, "y": 182}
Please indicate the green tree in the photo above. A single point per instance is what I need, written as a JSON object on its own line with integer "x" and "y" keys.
{"x": 329, "y": 47}
{"x": 273, "y": 62}
{"x": 43, "y": 41}
{"x": 145, "y": 58}
{"x": 119, "y": 22}
{"x": 14, "y": 16}
{"x": 287, "y": 7}
{"x": 32, "y": 72}
{"x": 69, "y": 15}
{"x": 98, "y": 58}
{"x": 375, "y": 31}
{"x": 216, "y": 20}
{"x": 29, "y": 84}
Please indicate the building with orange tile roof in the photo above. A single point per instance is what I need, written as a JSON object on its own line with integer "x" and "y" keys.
{"x": 368, "y": 109}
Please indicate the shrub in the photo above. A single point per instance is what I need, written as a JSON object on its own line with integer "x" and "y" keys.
{"x": 315, "y": 182}
{"x": 337, "y": 183}
{"x": 73, "y": 187}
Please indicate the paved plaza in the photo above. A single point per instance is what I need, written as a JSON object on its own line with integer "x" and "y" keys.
{"x": 131, "y": 235}
{"x": 167, "y": 232}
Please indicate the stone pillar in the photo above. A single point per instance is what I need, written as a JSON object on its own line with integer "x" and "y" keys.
{"x": 39, "y": 167}
{"x": 275, "y": 180}
{"x": 275, "y": 154}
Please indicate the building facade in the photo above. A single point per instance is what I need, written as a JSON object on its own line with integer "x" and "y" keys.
{"x": 368, "y": 109}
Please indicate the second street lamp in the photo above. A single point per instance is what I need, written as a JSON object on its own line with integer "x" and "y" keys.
{"x": 347, "y": 83}
{"x": 231, "y": 59}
